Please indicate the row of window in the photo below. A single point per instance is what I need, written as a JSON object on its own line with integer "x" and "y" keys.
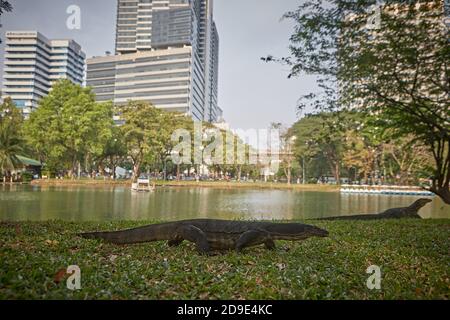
{"x": 158, "y": 102}
{"x": 154, "y": 85}
{"x": 153, "y": 93}
{"x": 155, "y": 102}
{"x": 154, "y": 68}
{"x": 101, "y": 82}
{"x": 157, "y": 77}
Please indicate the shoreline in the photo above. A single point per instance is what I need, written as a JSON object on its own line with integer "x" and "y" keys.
{"x": 194, "y": 184}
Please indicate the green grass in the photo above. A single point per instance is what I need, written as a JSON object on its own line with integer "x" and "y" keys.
{"x": 413, "y": 256}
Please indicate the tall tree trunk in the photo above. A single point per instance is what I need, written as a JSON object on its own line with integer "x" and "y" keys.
{"x": 87, "y": 163}
{"x": 114, "y": 167}
{"x": 443, "y": 193}
{"x": 136, "y": 170}
{"x": 287, "y": 173}
{"x": 338, "y": 174}
{"x": 73, "y": 168}
{"x": 441, "y": 180}
{"x": 335, "y": 169}
{"x": 289, "y": 177}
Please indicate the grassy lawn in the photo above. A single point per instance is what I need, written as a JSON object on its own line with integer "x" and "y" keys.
{"x": 413, "y": 256}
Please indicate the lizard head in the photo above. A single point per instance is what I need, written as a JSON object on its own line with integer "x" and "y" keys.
{"x": 295, "y": 231}
{"x": 420, "y": 203}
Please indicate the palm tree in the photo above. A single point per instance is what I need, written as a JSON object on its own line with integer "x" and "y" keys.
{"x": 10, "y": 147}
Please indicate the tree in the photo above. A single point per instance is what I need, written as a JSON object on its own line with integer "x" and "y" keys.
{"x": 396, "y": 70}
{"x": 400, "y": 73}
{"x": 362, "y": 147}
{"x": 114, "y": 151}
{"x": 241, "y": 164}
{"x": 141, "y": 132}
{"x": 10, "y": 137}
{"x": 360, "y": 154}
{"x": 286, "y": 153}
{"x": 68, "y": 126}
{"x": 5, "y": 6}
{"x": 407, "y": 160}
{"x": 322, "y": 136}
{"x": 169, "y": 123}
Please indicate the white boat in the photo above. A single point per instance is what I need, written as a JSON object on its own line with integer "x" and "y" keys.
{"x": 143, "y": 185}
{"x": 387, "y": 190}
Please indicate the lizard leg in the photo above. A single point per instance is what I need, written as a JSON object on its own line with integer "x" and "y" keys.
{"x": 270, "y": 244}
{"x": 175, "y": 242}
{"x": 197, "y": 236}
{"x": 250, "y": 238}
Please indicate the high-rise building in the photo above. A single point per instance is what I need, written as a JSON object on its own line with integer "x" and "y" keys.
{"x": 169, "y": 79}
{"x": 212, "y": 90}
{"x": 151, "y": 35}
{"x": 32, "y": 63}
{"x": 145, "y": 25}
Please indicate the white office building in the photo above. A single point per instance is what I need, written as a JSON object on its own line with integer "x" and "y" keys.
{"x": 167, "y": 53}
{"x": 169, "y": 79}
{"x": 32, "y": 63}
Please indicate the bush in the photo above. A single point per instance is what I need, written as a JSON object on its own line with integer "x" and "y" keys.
{"x": 48, "y": 173}
{"x": 27, "y": 176}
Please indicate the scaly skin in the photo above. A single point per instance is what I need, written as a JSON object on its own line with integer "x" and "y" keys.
{"x": 211, "y": 235}
{"x": 396, "y": 213}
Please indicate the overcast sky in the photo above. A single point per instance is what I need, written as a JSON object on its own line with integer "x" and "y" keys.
{"x": 252, "y": 93}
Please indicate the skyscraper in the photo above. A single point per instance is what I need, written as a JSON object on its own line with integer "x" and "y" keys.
{"x": 32, "y": 63}
{"x": 145, "y": 25}
{"x": 169, "y": 79}
{"x": 151, "y": 38}
{"x": 212, "y": 91}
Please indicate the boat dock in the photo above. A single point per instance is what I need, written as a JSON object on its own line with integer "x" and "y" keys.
{"x": 387, "y": 190}
{"x": 143, "y": 185}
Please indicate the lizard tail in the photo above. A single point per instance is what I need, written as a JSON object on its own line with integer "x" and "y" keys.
{"x": 137, "y": 235}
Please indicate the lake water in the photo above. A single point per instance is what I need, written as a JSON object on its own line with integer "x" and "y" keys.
{"x": 36, "y": 203}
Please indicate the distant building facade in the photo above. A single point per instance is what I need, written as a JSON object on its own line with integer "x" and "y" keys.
{"x": 151, "y": 38}
{"x": 169, "y": 79}
{"x": 32, "y": 63}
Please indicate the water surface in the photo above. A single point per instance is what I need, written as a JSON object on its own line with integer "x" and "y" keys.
{"x": 39, "y": 203}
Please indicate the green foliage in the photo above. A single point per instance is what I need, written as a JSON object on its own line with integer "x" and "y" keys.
{"x": 26, "y": 176}
{"x": 396, "y": 72}
{"x": 147, "y": 132}
{"x": 47, "y": 172}
{"x": 5, "y": 6}
{"x": 10, "y": 136}
{"x": 69, "y": 131}
{"x": 114, "y": 151}
{"x": 68, "y": 125}
{"x": 322, "y": 137}
{"x": 140, "y": 131}
{"x": 399, "y": 73}
{"x": 351, "y": 142}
